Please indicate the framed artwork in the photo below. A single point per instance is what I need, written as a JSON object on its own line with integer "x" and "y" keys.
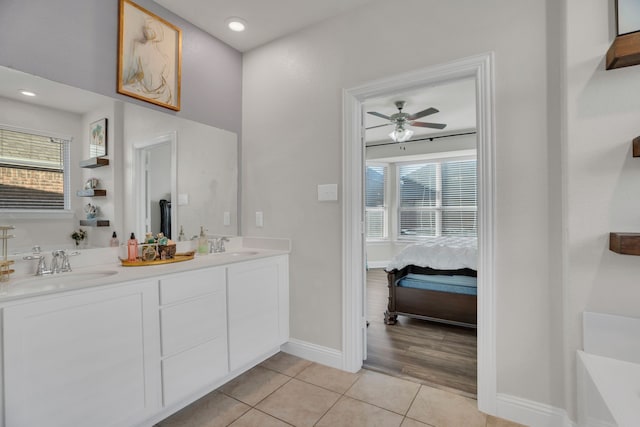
{"x": 149, "y": 57}
{"x": 98, "y": 138}
{"x": 627, "y": 16}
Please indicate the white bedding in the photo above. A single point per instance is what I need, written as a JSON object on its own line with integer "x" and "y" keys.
{"x": 440, "y": 253}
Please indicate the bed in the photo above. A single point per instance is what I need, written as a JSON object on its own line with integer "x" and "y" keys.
{"x": 434, "y": 280}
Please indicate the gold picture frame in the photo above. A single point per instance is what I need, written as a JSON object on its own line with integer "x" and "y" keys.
{"x": 149, "y": 57}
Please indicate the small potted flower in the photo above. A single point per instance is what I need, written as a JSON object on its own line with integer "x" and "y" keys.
{"x": 78, "y": 236}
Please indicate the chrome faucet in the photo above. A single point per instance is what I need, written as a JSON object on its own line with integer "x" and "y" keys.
{"x": 59, "y": 261}
{"x": 42, "y": 265}
{"x": 216, "y": 245}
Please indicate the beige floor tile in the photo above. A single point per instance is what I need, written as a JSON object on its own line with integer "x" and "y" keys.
{"x": 499, "y": 422}
{"x": 408, "y": 422}
{"x": 213, "y": 410}
{"x": 255, "y": 418}
{"x": 299, "y": 403}
{"x": 387, "y": 392}
{"x": 329, "y": 378}
{"x": 443, "y": 409}
{"x": 286, "y": 364}
{"x": 354, "y": 413}
{"x": 254, "y": 385}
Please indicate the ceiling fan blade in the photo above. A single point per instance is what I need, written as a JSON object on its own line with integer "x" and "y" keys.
{"x": 379, "y": 126}
{"x": 374, "y": 113}
{"x": 429, "y": 125}
{"x": 423, "y": 113}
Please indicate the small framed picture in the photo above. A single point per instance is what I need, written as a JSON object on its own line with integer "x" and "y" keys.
{"x": 98, "y": 138}
{"x": 627, "y": 16}
{"x": 149, "y": 57}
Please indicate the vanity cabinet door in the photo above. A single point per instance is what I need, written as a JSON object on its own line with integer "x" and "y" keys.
{"x": 87, "y": 359}
{"x": 258, "y": 298}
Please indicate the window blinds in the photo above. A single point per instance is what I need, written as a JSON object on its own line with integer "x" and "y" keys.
{"x": 32, "y": 171}
{"x": 438, "y": 198}
{"x": 375, "y": 208}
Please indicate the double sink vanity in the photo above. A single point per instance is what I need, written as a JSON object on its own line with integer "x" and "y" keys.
{"x": 107, "y": 345}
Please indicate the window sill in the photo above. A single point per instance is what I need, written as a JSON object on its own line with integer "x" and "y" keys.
{"x": 18, "y": 214}
{"x": 378, "y": 241}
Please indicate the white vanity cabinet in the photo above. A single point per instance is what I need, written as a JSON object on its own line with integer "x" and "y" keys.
{"x": 258, "y": 305}
{"x": 84, "y": 359}
{"x": 133, "y": 352}
{"x": 193, "y": 319}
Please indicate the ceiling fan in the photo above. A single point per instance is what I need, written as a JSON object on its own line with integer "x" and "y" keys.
{"x": 401, "y": 120}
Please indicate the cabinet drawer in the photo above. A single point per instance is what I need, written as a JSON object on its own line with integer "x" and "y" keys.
{"x": 193, "y": 370}
{"x": 193, "y": 322}
{"x": 192, "y": 284}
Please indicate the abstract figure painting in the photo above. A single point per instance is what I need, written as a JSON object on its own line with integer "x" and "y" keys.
{"x": 149, "y": 57}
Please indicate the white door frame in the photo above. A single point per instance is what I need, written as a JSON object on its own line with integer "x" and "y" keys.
{"x": 139, "y": 181}
{"x": 481, "y": 68}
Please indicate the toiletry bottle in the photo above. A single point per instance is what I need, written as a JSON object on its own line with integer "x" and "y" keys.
{"x": 132, "y": 246}
{"x": 181, "y": 235}
{"x": 114, "y": 242}
{"x": 202, "y": 242}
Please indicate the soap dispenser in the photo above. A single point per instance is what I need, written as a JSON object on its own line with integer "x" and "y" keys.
{"x": 202, "y": 242}
{"x": 132, "y": 248}
{"x": 114, "y": 242}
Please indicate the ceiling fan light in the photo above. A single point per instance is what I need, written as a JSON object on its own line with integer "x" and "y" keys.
{"x": 401, "y": 135}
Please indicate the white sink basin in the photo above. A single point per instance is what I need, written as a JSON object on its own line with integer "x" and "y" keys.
{"x": 68, "y": 278}
{"x": 242, "y": 253}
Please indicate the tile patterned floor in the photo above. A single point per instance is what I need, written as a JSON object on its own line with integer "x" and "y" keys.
{"x": 288, "y": 391}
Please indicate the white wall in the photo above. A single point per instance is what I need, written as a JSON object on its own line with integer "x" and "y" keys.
{"x": 292, "y": 142}
{"x": 106, "y": 175}
{"x": 32, "y": 229}
{"x": 602, "y": 118}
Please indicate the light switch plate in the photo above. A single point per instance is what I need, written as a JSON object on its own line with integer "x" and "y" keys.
{"x": 227, "y": 218}
{"x": 183, "y": 199}
{"x": 327, "y": 192}
{"x": 259, "y": 219}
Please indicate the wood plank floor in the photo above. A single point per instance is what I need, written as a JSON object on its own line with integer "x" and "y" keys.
{"x": 439, "y": 355}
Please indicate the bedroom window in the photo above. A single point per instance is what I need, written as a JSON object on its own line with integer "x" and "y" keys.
{"x": 375, "y": 202}
{"x": 438, "y": 198}
{"x": 32, "y": 171}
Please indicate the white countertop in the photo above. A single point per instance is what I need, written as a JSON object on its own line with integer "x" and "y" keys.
{"x": 99, "y": 267}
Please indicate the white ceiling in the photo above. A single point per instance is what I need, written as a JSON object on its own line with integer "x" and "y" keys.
{"x": 266, "y": 20}
{"x": 454, "y": 100}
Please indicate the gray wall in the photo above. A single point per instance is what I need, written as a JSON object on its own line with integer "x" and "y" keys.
{"x": 76, "y": 42}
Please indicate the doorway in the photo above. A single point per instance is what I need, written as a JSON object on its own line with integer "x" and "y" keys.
{"x": 155, "y": 187}
{"x": 421, "y": 195}
{"x": 479, "y": 68}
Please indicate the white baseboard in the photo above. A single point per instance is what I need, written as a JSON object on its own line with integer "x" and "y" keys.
{"x": 315, "y": 353}
{"x": 377, "y": 264}
{"x": 531, "y": 413}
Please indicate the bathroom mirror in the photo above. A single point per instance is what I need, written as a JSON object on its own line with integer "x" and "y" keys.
{"x": 202, "y": 167}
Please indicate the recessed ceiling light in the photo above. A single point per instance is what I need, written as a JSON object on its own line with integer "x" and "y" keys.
{"x": 27, "y": 92}
{"x": 236, "y": 24}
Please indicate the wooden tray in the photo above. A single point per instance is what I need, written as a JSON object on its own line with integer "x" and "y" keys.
{"x": 179, "y": 257}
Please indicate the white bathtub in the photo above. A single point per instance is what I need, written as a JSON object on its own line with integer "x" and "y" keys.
{"x": 609, "y": 372}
